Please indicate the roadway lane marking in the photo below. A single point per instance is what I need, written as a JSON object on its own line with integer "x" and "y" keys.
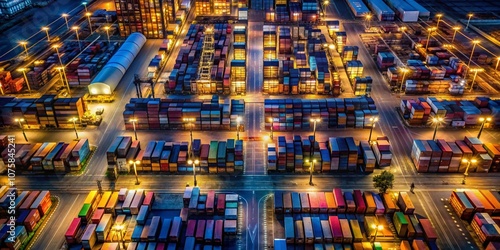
{"x": 60, "y": 224}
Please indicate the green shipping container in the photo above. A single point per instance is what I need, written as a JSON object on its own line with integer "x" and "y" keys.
{"x": 400, "y": 223}
{"x": 212, "y": 154}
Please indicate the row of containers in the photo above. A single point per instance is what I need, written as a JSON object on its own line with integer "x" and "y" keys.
{"x": 79, "y": 68}
{"x": 211, "y": 7}
{"x": 480, "y": 208}
{"x": 296, "y": 67}
{"x": 173, "y": 157}
{"x": 183, "y": 77}
{"x": 131, "y": 216}
{"x": 455, "y": 113}
{"x": 296, "y": 114}
{"x": 47, "y": 111}
{"x": 281, "y": 11}
{"x": 357, "y": 212}
{"x": 21, "y": 214}
{"x": 155, "y": 113}
{"x": 416, "y": 244}
{"x": 339, "y": 154}
{"x": 159, "y": 60}
{"x": 48, "y": 156}
{"x": 443, "y": 156}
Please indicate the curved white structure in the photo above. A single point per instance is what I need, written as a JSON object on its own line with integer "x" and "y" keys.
{"x": 111, "y": 74}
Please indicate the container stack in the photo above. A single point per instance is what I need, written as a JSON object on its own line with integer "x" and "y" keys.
{"x": 385, "y": 60}
{"x": 221, "y": 7}
{"x": 67, "y": 108}
{"x": 340, "y": 40}
{"x": 485, "y": 228}
{"x": 350, "y": 53}
{"x": 281, "y": 14}
{"x": 285, "y": 41}
{"x": 310, "y": 11}
{"x": 362, "y": 86}
{"x": 354, "y": 69}
{"x": 367, "y": 156}
{"x": 271, "y": 77}
{"x": 382, "y": 150}
{"x": 270, "y": 40}
{"x": 203, "y": 7}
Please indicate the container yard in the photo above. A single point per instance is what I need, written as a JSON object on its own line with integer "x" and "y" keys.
{"x": 49, "y": 156}
{"x": 306, "y": 11}
{"x": 459, "y": 113}
{"x": 296, "y": 114}
{"x": 442, "y": 156}
{"x": 340, "y": 154}
{"x": 31, "y": 209}
{"x": 345, "y": 219}
{"x": 209, "y": 219}
{"x": 172, "y": 157}
{"x": 305, "y": 70}
{"x": 204, "y": 62}
{"x": 48, "y": 111}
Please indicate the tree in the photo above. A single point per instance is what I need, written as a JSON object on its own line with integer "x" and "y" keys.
{"x": 383, "y": 181}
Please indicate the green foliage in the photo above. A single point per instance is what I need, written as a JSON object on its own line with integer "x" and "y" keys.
{"x": 383, "y": 181}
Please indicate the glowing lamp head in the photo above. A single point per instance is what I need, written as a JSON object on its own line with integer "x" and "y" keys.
{"x": 75, "y": 28}
{"x": 239, "y": 119}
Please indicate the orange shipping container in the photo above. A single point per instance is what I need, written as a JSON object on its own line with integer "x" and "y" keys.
{"x": 493, "y": 200}
{"x": 488, "y": 208}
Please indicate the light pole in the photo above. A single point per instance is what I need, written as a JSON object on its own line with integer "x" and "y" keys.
{"x": 46, "y": 29}
{"x": 377, "y": 228}
{"x": 24, "y": 44}
{"x": 474, "y": 78}
{"x": 22, "y": 127}
{"x": 238, "y": 121}
{"x": 325, "y": 4}
{"x": 455, "y": 29}
{"x": 311, "y": 169}
{"x": 85, "y": 5}
{"x": 404, "y": 70}
{"x": 271, "y": 120}
{"x": 403, "y": 29}
{"x": 62, "y": 75}
{"x": 429, "y": 30}
{"x": 368, "y": 20}
{"x": 374, "y": 120}
{"x": 470, "y": 15}
{"x": 496, "y": 67}
{"x": 194, "y": 163}
{"x": 474, "y": 42}
{"x": 120, "y": 228}
{"x": 25, "y": 78}
{"x": 107, "y": 32}
{"x": 190, "y": 123}
{"x": 65, "y": 79}
{"x": 88, "y": 14}
{"x": 65, "y": 16}
{"x": 483, "y": 120}
{"x": 466, "y": 173}
{"x": 75, "y": 28}
{"x": 133, "y": 121}
{"x": 135, "y": 163}
{"x": 436, "y": 121}
{"x": 439, "y": 15}
{"x": 74, "y": 119}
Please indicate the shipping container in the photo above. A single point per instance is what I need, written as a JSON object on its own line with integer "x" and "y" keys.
{"x": 89, "y": 237}
{"x": 327, "y": 232}
{"x": 71, "y": 233}
{"x": 175, "y": 229}
{"x": 299, "y": 232}
{"x": 209, "y": 231}
{"x": 278, "y": 202}
{"x": 296, "y": 203}
{"x": 218, "y": 232}
{"x": 339, "y": 200}
{"x": 308, "y": 230}
{"x": 336, "y": 229}
{"x": 356, "y": 231}
{"x": 289, "y": 230}
{"x": 346, "y": 231}
{"x": 128, "y": 201}
{"x": 429, "y": 232}
{"x": 165, "y": 230}
{"x": 360, "y": 203}
{"x": 405, "y": 203}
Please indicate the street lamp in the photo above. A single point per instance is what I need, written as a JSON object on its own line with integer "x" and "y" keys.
{"x": 325, "y": 4}
{"x": 429, "y": 30}
{"x": 85, "y": 5}
{"x": 135, "y": 163}
{"x": 296, "y": 16}
{"x": 24, "y": 44}
{"x": 311, "y": 169}
{"x": 474, "y": 78}
{"x": 74, "y": 119}
{"x": 238, "y": 121}
{"x": 65, "y": 16}
{"x": 455, "y": 29}
{"x": 46, "y": 29}
{"x": 133, "y": 121}
{"x": 470, "y": 15}
{"x": 473, "y": 161}
{"x": 436, "y": 121}
{"x": 107, "y": 32}
{"x": 88, "y": 14}
{"x": 75, "y": 28}
{"x": 483, "y": 120}
{"x": 404, "y": 70}
{"x": 271, "y": 120}
{"x": 403, "y": 29}
{"x": 120, "y": 228}
{"x": 25, "y": 78}
{"x": 374, "y": 120}
{"x": 190, "y": 123}
{"x": 439, "y": 15}
{"x": 22, "y": 127}
{"x": 474, "y": 42}
{"x": 377, "y": 228}
{"x": 368, "y": 18}
{"x": 194, "y": 163}
{"x": 496, "y": 67}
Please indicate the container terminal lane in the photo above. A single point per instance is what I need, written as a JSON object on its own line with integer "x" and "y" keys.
{"x": 259, "y": 224}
